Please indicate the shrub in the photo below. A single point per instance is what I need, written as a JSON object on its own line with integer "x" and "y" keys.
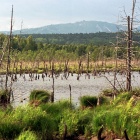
{"x": 77, "y": 121}
{"x": 122, "y": 98}
{"x": 27, "y": 135}
{"x": 26, "y": 118}
{"x": 4, "y": 97}
{"x": 84, "y": 122}
{"x": 107, "y": 92}
{"x": 56, "y": 107}
{"x": 55, "y": 110}
{"x": 9, "y": 128}
{"x": 97, "y": 121}
{"x": 39, "y": 96}
{"x": 36, "y": 120}
{"x": 70, "y": 119}
{"x": 88, "y": 101}
{"x": 103, "y": 100}
{"x": 135, "y": 91}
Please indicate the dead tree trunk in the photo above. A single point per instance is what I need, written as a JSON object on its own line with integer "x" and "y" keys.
{"x": 9, "y": 51}
{"x": 115, "y": 71}
{"x": 129, "y": 44}
{"x": 52, "y": 95}
{"x": 88, "y": 54}
{"x": 70, "y": 95}
{"x": 129, "y": 47}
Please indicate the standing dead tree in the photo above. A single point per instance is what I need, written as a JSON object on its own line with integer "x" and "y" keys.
{"x": 128, "y": 62}
{"x": 6, "y": 55}
{"x": 52, "y": 94}
{"x": 130, "y": 21}
{"x": 9, "y": 51}
{"x": 127, "y": 39}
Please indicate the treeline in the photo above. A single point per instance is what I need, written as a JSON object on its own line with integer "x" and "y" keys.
{"x": 63, "y": 39}
{"x": 37, "y": 47}
{"x": 29, "y": 44}
{"x": 97, "y": 39}
{"x": 37, "y": 41}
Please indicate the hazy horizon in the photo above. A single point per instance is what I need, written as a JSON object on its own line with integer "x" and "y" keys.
{"x": 34, "y": 13}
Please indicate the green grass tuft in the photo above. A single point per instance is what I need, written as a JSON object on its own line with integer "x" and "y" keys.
{"x": 88, "y": 101}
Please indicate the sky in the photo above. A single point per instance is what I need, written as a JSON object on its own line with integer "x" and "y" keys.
{"x": 37, "y": 13}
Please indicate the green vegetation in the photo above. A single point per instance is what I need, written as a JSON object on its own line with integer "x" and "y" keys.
{"x": 4, "y": 97}
{"x": 33, "y": 53}
{"x": 44, "y": 120}
{"x": 27, "y": 135}
{"x": 52, "y": 120}
{"x": 97, "y": 39}
{"x": 88, "y": 101}
{"x": 39, "y": 96}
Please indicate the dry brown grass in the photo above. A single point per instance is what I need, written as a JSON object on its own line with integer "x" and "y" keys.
{"x": 107, "y": 64}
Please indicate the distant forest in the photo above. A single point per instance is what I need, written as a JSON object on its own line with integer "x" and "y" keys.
{"x": 97, "y": 39}
{"x": 72, "y": 46}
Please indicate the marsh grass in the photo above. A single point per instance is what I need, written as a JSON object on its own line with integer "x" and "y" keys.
{"x": 55, "y": 111}
{"x": 88, "y": 101}
{"x": 4, "y": 97}
{"x": 27, "y": 118}
{"x": 120, "y": 115}
{"x": 84, "y": 122}
{"x": 27, "y": 135}
{"x": 40, "y": 96}
{"x": 9, "y": 128}
{"x": 48, "y": 120}
{"x": 70, "y": 119}
{"x": 28, "y": 66}
{"x": 56, "y": 107}
{"x": 107, "y": 92}
{"x": 125, "y": 96}
{"x": 135, "y": 91}
{"x": 78, "y": 122}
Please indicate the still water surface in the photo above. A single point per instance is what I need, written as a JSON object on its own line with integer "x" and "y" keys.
{"x": 92, "y": 85}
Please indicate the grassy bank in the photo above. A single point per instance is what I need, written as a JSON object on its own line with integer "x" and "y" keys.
{"x": 61, "y": 119}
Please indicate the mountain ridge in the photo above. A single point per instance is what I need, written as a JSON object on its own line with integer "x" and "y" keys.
{"x": 77, "y": 27}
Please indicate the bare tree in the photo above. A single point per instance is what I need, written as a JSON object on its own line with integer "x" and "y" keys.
{"x": 9, "y": 50}
{"x": 130, "y": 21}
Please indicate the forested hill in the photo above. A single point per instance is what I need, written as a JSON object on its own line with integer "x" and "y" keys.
{"x": 98, "y": 39}
{"x": 77, "y": 27}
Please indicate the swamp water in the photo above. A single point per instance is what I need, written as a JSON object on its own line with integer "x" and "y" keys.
{"x": 86, "y": 85}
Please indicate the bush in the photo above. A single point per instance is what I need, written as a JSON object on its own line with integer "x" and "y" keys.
{"x": 122, "y": 98}
{"x": 103, "y": 100}
{"x": 9, "y": 128}
{"x": 107, "y": 92}
{"x": 97, "y": 121}
{"x": 135, "y": 91}
{"x": 70, "y": 119}
{"x": 4, "y": 97}
{"x": 27, "y": 118}
{"x": 77, "y": 121}
{"x": 27, "y": 135}
{"x": 55, "y": 110}
{"x": 84, "y": 122}
{"x": 56, "y": 107}
{"x": 88, "y": 101}
{"x": 39, "y": 96}
{"x": 35, "y": 119}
